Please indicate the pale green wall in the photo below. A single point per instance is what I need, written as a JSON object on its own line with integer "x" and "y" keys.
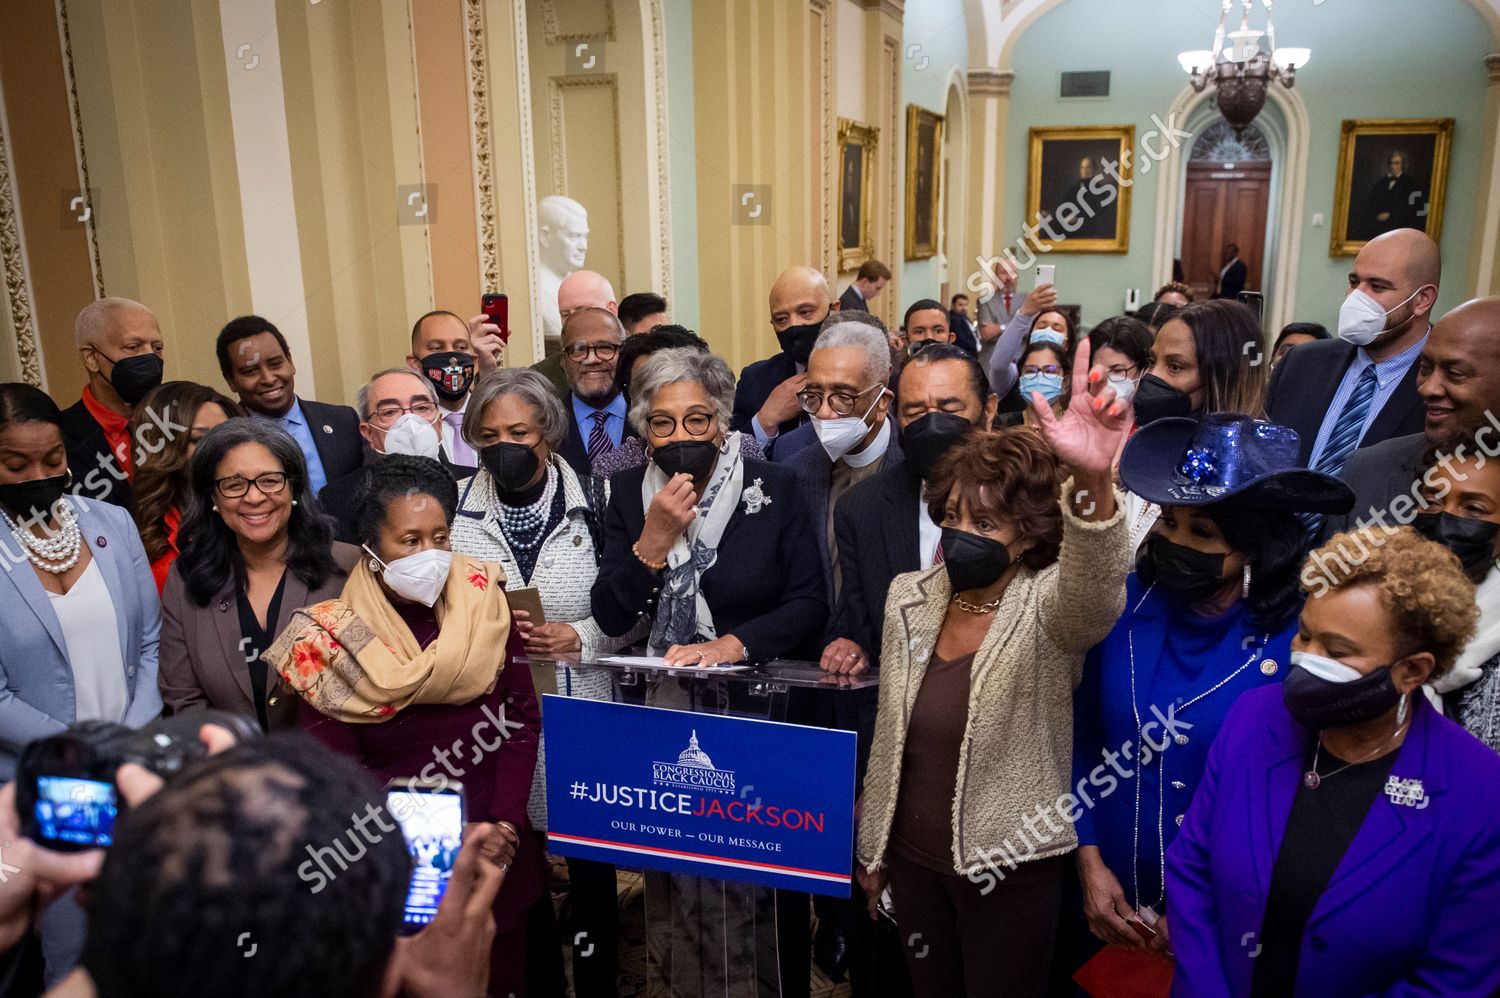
{"x": 1369, "y": 60}
{"x": 682, "y": 296}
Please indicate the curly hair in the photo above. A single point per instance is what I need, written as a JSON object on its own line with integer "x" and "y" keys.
{"x": 1013, "y": 475}
{"x": 396, "y": 477}
{"x": 1422, "y": 586}
{"x": 160, "y": 477}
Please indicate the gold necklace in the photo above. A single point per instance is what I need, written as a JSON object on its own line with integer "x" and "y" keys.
{"x": 978, "y": 609}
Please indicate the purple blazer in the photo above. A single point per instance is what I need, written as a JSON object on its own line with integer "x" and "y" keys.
{"x": 1411, "y": 909}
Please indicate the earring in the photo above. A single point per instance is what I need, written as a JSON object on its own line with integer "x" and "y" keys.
{"x": 1245, "y": 584}
{"x": 1401, "y": 710}
{"x": 216, "y": 507}
{"x": 374, "y": 567}
{"x": 294, "y": 502}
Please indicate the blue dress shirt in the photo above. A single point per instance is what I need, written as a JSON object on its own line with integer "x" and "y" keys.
{"x": 1388, "y": 374}
{"x": 614, "y": 425}
{"x": 294, "y": 421}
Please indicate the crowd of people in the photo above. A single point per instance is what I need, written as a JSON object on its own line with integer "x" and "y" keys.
{"x": 1188, "y": 643}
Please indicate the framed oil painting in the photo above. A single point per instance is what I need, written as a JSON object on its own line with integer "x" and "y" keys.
{"x": 1393, "y": 174}
{"x": 924, "y": 156}
{"x": 1078, "y": 187}
{"x": 856, "y": 192}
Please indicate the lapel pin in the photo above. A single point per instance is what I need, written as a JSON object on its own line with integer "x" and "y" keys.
{"x": 102, "y": 541}
{"x": 1406, "y": 792}
{"x": 1268, "y": 667}
{"x": 327, "y": 428}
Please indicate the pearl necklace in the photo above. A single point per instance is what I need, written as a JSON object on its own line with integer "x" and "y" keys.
{"x": 523, "y": 525}
{"x": 57, "y": 552}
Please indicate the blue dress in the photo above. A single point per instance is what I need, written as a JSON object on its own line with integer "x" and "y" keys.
{"x": 1179, "y": 657}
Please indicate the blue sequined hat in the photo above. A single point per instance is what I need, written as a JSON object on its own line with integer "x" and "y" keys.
{"x": 1227, "y": 458}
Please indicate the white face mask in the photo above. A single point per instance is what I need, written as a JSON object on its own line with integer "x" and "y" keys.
{"x": 841, "y": 435}
{"x": 1124, "y": 386}
{"x": 418, "y": 577}
{"x": 1330, "y": 669}
{"x": 414, "y": 436}
{"x": 1361, "y": 319}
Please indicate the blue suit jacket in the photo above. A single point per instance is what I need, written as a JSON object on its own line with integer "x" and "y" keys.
{"x": 36, "y": 680}
{"x": 1411, "y": 908}
{"x": 755, "y": 385}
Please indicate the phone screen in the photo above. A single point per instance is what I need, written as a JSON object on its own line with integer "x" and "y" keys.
{"x": 75, "y": 812}
{"x": 433, "y": 824}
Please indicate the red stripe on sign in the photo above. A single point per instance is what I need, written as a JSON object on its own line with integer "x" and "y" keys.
{"x": 837, "y": 878}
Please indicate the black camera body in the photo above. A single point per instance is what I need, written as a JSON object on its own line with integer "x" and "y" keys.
{"x": 65, "y": 792}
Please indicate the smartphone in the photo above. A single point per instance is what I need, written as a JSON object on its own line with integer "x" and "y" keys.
{"x": 71, "y": 813}
{"x": 497, "y": 307}
{"x": 1254, "y": 299}
{"x": 528, "y": 599}
{"x": 1046, "y": 273}
{"x": 431, "y": 814}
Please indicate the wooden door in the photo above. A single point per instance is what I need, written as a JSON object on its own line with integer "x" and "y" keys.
{"x": 1224, "y": 203}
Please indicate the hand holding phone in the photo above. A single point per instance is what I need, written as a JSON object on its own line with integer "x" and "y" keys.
{"x": 431, "y": 814}
{"x": 1045, "y": 274}
{"x": 496, "y": 308}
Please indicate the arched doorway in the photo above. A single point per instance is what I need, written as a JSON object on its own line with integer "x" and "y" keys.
{"x": 1225, "y": 201}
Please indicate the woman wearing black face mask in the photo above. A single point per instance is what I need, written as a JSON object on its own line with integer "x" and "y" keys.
{"x": 980, "y": 656}
{"x": 1210, "y": 613}
{"x": 1345, "y": 838}
{"x": 1462, "y": 496}
{"x": 78, "y": 609}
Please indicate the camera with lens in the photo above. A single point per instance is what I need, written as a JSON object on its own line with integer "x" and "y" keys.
{"x": 65, "y": 784}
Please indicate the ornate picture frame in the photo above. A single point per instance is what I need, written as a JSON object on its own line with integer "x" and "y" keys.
{"x": 1393, "y": 173}
{"x": 856, "y": 202}
{"x": 1078, "y": 187}
{"x": 924, "y": 178}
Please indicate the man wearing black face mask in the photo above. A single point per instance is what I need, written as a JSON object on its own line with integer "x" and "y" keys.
{"x": 765, "y": 398}
{"x": 881, "y": 526}
{"x": 120, "y": 344}
{"x": 442, "y": 353}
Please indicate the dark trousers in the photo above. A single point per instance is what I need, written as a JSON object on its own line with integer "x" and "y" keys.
{"x": 961, "y": 942}
{"x": 594, "y": 928}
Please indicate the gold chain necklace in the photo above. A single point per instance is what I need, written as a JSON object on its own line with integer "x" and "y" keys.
{"x": 978, "y": 609}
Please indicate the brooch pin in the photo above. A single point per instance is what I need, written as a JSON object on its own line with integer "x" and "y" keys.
{"x": 755, "y": 497}
{"x": 1406, "y": 792}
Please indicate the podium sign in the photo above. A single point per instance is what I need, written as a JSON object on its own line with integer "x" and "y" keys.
{"x": 709, "y": 795}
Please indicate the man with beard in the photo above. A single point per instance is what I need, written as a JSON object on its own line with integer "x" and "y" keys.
{"x": 765, "y": 399}
{"x": 591, "y": 339}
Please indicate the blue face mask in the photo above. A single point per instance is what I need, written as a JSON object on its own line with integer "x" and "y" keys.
{"x": 1050, "y": 385}
{"x": 1043, "y": 334}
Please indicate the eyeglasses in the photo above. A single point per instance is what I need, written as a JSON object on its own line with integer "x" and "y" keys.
{"x": 1123, "y": 371}
{"x": 269, "y": 484}
{"x": 1041, "y": 369}
{"x": 842, "y": 403}
{"x": 384, "y": 416}
{"x": 579, "y": 352}
{"x": 664, "y": 425}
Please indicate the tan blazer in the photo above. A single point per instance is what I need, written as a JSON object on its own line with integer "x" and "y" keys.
{"x": 202, "y": 661}
{"x": 1018, "y": 738}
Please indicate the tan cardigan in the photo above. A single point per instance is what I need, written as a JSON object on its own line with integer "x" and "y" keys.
{"x": 1018, "y": 738}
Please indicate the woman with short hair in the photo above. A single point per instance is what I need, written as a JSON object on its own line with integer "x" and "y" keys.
{"x": 1345, "y": 839}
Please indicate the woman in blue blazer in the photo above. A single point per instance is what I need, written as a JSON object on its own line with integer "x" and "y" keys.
{"x": 1210, "y": 613}
{"x": 1345, "y": 839}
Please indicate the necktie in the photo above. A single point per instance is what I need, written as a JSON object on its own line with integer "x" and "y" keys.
{"x": 459, "y": 450}
{"x": 599, "y": 442}
{"x": 1007, "y": 303}
{"x": 1345, "y": 436}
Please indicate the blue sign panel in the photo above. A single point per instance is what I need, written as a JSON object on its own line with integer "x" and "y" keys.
{"x": 725, "y": 797}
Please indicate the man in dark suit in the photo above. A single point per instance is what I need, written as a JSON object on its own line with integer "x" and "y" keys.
{"x": 1393, "y": 201}
{"x": 120, "y": 344}
{"x": 1458, "y": 379}
{"x": 591, "y": 339}
{"x": 765, "y": 398}
{"x": 868, "y": 282}
{"x": 451, "y": 357}
{"x": 399, "y": 414}
{"x": 1231, "y": 274}
{"x": 257, "y": 364}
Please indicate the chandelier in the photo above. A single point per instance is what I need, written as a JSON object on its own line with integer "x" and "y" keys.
{"x": 1242, "y": 70}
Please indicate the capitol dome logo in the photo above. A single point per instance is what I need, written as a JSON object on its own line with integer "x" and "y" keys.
{"x": 693, "y": 770}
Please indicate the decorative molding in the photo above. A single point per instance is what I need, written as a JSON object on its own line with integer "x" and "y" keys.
{"x": 1492, "y": 66}
{"x": 660, "y": 152}
{"x": 826, "y": 240}
{"x": 891, "y": 50}
{"x": 17, "y": 288}
{"x": 990, "y": 82}
{"x": 529, "y": 206}
{"x": 552, "y": 33}
{"x": 892, "y": 8}
{"x": 558, "y": 153}
{"x": 90, "y": 222}
{"x": 481, "y": 144}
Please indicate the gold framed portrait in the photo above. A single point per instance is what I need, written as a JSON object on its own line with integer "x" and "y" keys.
{"x": 924, "y": 156}
{"x": 856, "y": 192}
{"x": 1078, "y": 188}
{"x": 1393, "y": 174}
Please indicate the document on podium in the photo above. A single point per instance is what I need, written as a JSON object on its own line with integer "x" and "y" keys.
{"x": 657, "y": 662}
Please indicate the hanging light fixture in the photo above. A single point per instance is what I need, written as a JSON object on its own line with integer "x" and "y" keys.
{"x": 1242, "y": 70}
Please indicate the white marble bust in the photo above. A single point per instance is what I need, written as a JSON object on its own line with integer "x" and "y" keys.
{"x": 563, "y": 241}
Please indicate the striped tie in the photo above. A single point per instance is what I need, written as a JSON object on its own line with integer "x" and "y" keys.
{"x": 1345, "y": 436}
{"x": 599, "y": 442}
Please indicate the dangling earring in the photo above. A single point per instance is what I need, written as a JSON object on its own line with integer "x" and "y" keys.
{"x": 1245, "y": 584}
{"x": 1401, "y": 710}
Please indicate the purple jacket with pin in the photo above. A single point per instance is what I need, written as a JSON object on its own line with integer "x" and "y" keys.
{"x": 1411, "y": 909}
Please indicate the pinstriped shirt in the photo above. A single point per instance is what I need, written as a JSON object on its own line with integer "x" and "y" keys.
{"x": 1388, "y": 374}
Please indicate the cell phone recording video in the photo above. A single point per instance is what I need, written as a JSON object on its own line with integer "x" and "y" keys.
{"x": 72, "y": 814}
{"x": 431, "y": 814}
{"x": 497, "y": 307}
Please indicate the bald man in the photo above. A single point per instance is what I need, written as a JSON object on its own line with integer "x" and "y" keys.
{"x": 580, "y": 289}
{"x": 1361, "y": 388}
{"x": 1458, "y": 379}
{"x": 765, "y": 401}
{"x": 119, "y": 342}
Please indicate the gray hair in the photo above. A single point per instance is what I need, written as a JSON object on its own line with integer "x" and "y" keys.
{"x": 862, "y": 334}
{"x": 362, "y": 397}
{"x": 530, "y": 387}
{"x": 97, "y": 316}
{"x": 668, "y": 367}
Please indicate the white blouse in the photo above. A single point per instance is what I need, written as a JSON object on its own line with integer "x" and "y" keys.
{"x": 86, "y": 613}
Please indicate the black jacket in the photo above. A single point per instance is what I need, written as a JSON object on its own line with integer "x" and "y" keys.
{"x": 765, "y": 588}
{"x": 335, "y": 433}
{"x": 1305, "y": 381}
{"x": 757, "y": 382}
{"x": 574, "y": 448}
{"x": 1233, "y": 281}
{"x": 96, "y": 473}
{"x": 875, "y": 526}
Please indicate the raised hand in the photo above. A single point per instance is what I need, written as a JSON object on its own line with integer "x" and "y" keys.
{"x": 672, "y": 510}
{"x": 489, "y": 348}
{"x": 1089, "y": 432}
{"x": 1038, "y": 300}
